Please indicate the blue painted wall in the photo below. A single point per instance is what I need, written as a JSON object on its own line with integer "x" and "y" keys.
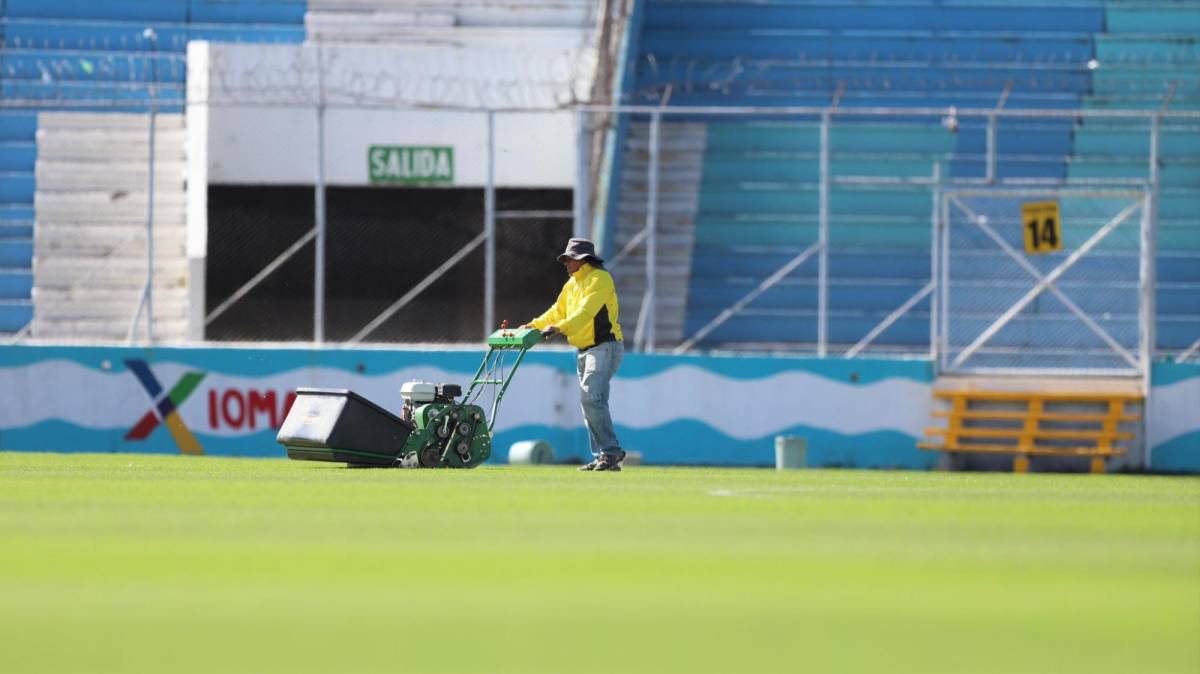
{"x": 675, "y": 410}
{"x": 1173, "y": 417}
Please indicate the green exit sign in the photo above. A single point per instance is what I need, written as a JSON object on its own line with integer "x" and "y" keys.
{"x": 410, "y": 164}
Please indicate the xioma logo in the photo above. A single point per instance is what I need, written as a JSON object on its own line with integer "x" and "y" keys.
{"x": 165, "y": 407}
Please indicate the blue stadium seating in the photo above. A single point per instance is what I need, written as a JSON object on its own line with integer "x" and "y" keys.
{"x": 1149, "y": 59}
{"x": 758, "y": 187}
{"x": 93, "y": 55}
{"x": 18, "y": 152}
{"x": 167, "y": 11}
{"x": 67, "y": 51}
{"x": 16, "y": 155}
{"x": 84, "y": 67}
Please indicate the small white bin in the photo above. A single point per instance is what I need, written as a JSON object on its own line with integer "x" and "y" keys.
{"x": 790, "y": 451}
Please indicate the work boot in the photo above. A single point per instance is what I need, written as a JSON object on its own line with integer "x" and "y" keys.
{"x": 609, "y": 462}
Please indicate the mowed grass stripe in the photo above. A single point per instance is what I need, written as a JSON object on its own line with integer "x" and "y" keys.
{"x": 197, "y": 564}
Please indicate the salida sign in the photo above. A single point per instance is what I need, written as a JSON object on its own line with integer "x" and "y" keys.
{"x": 410, "y": 164}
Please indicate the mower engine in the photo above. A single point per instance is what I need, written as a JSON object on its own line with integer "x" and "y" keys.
{"x": 444, "y": 433}
{"x": 439, "y": 425}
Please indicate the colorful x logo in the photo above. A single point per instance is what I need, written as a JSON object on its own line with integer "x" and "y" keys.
{"x": 166, "y": 407}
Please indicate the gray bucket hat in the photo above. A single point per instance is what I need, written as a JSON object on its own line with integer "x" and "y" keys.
{"x": 580, "y": 249}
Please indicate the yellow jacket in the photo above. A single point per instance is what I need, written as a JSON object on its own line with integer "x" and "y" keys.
{"x": 586, "y": 309}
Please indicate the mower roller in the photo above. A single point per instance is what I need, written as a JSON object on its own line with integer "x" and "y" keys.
{"x": 439, "y": 425}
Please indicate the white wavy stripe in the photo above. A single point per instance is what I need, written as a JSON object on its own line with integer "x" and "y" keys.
{"x": 539, "y": 395}
{"x": 62, "y": 389}
{"x": 88, "y": 398}
{"x": 755, "y": 408}
{"x": 530, "y": 400}
{"x": 1174, "y": 410}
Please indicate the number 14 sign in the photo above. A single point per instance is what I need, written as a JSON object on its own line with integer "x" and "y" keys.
{"x": 1043, "y": 227}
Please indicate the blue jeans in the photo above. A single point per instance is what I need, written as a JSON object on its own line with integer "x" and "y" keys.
{"x": 596, "y": 368}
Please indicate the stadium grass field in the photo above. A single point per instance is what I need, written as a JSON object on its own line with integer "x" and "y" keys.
{"x": 179, "y": 564}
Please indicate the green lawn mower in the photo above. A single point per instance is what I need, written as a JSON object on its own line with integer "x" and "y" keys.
{"x": 439, "y": 426}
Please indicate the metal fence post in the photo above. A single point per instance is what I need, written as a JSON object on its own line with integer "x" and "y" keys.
{"x": 991, "y": 149}
{"x": 644, "y": 336}
{"x": 146, "y": 302}
{"x": 582, "y": 173}
{"x": 150, "y": 188}
{"x": 823, "y": 238}
{"x": 936, "y": 225}
{"x": 1148, "y": 262}
{"x": 489, "y": 230}
{"x": 319, "y": 207}
{"x": 944, "y": 284}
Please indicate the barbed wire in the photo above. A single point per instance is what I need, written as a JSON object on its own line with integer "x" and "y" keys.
{"x": 414, "y": 76}
{"x": 419, "y": 76}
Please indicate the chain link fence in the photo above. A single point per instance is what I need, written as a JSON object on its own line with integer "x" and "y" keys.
{"x": 1043, "y": 280}
{"x": 381, "y": 245}
{"x": 248, "y": 227}
{"x": 812, "y": 230}
{"x": 773, "y": 230}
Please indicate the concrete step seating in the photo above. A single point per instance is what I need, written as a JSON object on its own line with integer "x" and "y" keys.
{"x": 90, "y": 240}
{"x": 416, "y": 21}
{"x": 680, "y": 163}
{"x": 105, "y": 240}
{"x": 519, "y": 13}
{"x": 168, "y": 304}
{"x": 126, "y": 271}
{"x": 106, "y": 329}
{"x": 110, "y": 176}
{"x": 104, "y": 207}
{"x": 122, "y": 138}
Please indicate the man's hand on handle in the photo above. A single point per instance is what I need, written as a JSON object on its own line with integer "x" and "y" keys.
{"x": 547, "y": 333}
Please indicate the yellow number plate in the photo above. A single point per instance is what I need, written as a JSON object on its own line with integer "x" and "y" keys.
{"x": 1042, "y": 226}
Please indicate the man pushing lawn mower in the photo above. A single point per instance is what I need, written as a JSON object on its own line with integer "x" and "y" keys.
{"x": 586, "y": 314}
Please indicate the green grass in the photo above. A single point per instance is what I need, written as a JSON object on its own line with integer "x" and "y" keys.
{"x": 123, "y": 563}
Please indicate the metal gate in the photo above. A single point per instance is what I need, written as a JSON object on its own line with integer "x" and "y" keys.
{"x": 1045, "y": 281}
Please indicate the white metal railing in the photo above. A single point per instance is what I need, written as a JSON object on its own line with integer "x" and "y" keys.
{"x": 937, "y": 182}
{"x": 586, "y": 215}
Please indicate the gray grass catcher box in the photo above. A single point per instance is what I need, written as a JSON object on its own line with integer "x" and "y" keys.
{"x": 340, "y": 425}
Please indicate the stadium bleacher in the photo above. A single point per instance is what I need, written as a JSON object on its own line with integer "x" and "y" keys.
{"x": 1150, "y": 60}
{"x": 744, "y": 200}
{"x": 80, "y": 56}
